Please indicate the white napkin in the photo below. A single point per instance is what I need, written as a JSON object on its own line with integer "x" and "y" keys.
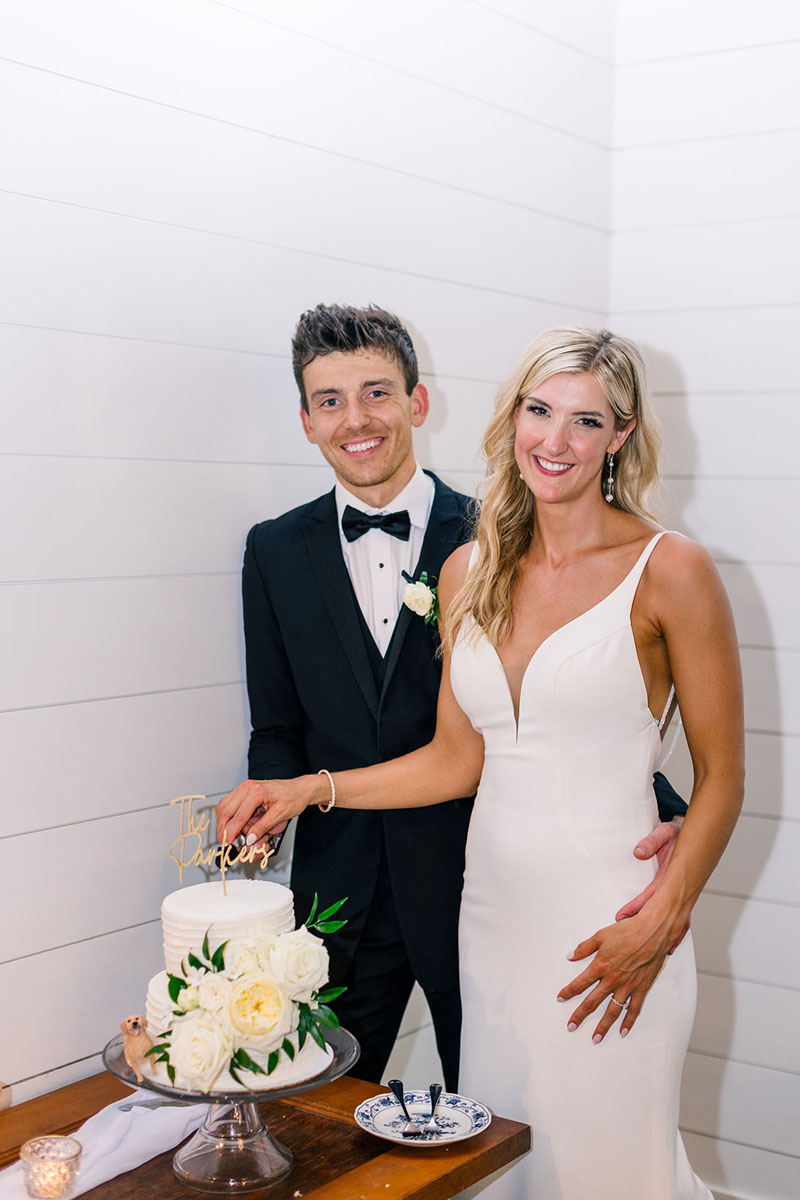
{"x": 120, "y": 1137}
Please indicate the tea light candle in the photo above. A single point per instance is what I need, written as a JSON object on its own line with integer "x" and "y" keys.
{"x": 50, "y": 1165}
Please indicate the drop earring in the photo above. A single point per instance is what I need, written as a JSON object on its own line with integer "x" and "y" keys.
{"x": 610, "y": 479}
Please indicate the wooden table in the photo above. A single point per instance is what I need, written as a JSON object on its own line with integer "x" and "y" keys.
{"x": 333, "y": 1158}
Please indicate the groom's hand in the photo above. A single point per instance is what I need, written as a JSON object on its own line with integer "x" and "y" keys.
{"x": 661, "y": 842}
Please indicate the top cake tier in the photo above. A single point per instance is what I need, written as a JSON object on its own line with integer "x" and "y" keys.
{"x": 250, "y": 907}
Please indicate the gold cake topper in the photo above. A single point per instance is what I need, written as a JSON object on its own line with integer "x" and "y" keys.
{"x": 191, "y": 835}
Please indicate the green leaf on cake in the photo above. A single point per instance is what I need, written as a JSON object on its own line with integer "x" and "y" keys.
{"x": 243, "y": 1060}
{"x": 288, "y": 1048}
{"x": 171, "y": 1072}
{"x": 158, "y": 1048}
{"x": 194, "y": 961}
{"x": 334, "y": 908}
{"x": 329, "y": 926}
{"x": 330, "y": 994}
{"x": 272, "y": 1061}
{"x": 310, "y": 916}
{"x": 316, "y": 1034}
{"x": 326, "y": 1016}
{"x": 302, "y": 1027}
{"x": 175, "y": 986}
{"x": 218, "y": 958}
{"x": 232, "y": 1072}
{"x": 206, "y": 950}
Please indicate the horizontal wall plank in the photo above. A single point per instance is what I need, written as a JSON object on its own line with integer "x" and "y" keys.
{"x": 703, "y": 434}
{"x": 772, "y": 690}
{"x": 772, "y": 787}
{"x": 742, "y": 1172}
{"x": 86, "y": 641}
{"x": 456, "y": 35}
{"x": 741, "y": 1103}
{"x": 99, "y": 983}
{"x": 761, "y": 861}
{"x": 88, "y": 518}
{"x": 663, "y": 28}
{"x": 148, "y": 162}
{"x": 120, "y": 398}
{"x": 697, "y": 351}
{"x": 79, "y": 762}
{"x": 746, "y": 1022}
{"x": 98, "y": 517}
{"x": 124, "y": 859}
{"x": 178, "y": 288}
{"x": 772, "y": 782}
{"x": 688, "y": 182}
{"x": 749, "y": 939}
{"x": 747, "y": 519}
{"x": 411, "y": 127}
{"x": 79, "y": 394}
{"x": 588, "y": 25}
{"x": 49, "y": 1081}
{"x": 763, "y": 599}
{"x": 743, "y": 91}
{"x": 735, "y": 263}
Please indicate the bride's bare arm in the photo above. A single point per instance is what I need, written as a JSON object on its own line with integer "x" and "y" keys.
{"x": 447, "y": 768}
{"x": 691, "y": 611}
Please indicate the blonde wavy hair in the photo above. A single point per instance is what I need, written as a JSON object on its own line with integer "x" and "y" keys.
{"x": 504, "y": 527}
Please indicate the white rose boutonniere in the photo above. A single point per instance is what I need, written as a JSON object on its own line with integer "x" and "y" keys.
{"x": 421, "y": 597}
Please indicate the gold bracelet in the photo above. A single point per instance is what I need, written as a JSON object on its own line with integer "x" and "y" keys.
{"x": 332, "y": 802}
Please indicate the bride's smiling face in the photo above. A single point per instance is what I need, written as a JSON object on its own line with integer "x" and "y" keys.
{"x": 565, "y": 428}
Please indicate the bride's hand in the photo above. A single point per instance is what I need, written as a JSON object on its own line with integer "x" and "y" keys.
{"x": 627, "y": 959}
{"x": 261, "y": 806}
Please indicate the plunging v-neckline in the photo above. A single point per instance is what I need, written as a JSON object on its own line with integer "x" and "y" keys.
{"x": 517, "y": 707}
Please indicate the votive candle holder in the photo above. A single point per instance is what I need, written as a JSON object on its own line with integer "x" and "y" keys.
{"x": 50, "y": 1165}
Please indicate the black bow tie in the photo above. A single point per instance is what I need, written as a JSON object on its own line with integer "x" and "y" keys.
{"x": 355, "y": 523}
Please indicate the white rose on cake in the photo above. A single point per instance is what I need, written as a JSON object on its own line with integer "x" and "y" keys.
{"x": 301, "y": 962}
{"x": 261, "y": 1012}
{"x": 240, "y": 959}
{"x": 214, "y": 993}
{"x": 263, "y": 945}
{"x": 200, "y": 1049}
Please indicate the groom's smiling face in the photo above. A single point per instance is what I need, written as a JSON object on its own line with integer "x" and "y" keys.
{"x": 361, "y": 417}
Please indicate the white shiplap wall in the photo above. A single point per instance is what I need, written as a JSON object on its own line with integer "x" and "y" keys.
{"x": 181, "y": 178}
{"x": 180, "y": 181}
{"x": 704, "y": 272}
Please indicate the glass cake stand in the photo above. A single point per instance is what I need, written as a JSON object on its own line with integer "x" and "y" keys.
{"x": 232, "y": 1152}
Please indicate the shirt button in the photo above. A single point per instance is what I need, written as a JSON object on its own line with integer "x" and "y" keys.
{"x": 380, "y": 565}
{"x": 386, "y": 620}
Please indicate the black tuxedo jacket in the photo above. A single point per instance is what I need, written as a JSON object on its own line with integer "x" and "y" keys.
{"x": 314, "y": 703}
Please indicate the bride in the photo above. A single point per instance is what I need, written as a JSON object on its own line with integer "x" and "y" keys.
{"x": 568, "y": 627}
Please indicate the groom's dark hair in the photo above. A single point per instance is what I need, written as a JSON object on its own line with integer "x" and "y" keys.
{"x": 329, "y": 328}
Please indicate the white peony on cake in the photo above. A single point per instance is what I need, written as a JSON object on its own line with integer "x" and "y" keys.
{"x": 240, "y": 1006}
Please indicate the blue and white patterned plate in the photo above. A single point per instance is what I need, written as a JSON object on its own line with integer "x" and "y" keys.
{"x": 457, "y": 1117}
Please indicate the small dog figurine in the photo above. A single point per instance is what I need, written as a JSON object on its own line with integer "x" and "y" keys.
{"x": 136, "y": 1041}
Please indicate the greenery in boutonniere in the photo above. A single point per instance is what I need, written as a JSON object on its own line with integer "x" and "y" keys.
{"x": 422, "y": 597}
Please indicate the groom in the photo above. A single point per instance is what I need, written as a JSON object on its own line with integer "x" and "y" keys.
{"x": 341, "y": 675}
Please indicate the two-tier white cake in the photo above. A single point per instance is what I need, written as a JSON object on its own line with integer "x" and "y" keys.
{"x": 246, "y": 990}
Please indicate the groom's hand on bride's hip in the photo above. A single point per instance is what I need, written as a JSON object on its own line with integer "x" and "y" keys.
{"x": 660, "y": 843}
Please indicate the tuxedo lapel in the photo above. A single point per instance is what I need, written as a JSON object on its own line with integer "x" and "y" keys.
{"x": 439, "y": 541}
{"x": 322, "y": 537}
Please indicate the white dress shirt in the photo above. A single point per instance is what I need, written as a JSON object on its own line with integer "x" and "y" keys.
{"x": 376, "y": 560}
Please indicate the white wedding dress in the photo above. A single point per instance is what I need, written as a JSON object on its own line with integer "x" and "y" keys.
{"x": 563, "y": 799}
